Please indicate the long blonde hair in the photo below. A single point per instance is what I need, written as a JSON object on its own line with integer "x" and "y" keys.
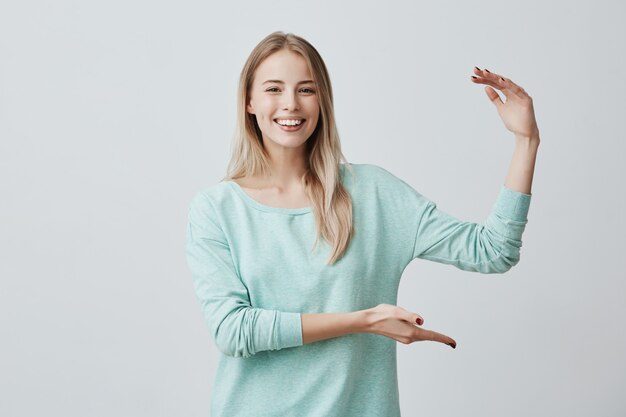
{"x": 332, "y": 205}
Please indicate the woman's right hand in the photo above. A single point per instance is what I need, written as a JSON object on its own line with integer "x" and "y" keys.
{"x": 401, "y": 325}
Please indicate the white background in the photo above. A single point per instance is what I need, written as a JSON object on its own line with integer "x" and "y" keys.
{"x": 114, "y": 113}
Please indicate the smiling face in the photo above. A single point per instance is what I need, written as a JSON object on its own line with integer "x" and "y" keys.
{"x": 283, "y": 91}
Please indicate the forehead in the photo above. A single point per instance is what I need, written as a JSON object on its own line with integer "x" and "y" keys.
{"x": 283, "y": 65}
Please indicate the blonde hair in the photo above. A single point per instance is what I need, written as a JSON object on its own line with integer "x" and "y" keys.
{"x": 332, "y": 205}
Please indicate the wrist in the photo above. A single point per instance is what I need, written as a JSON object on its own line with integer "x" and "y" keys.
{"x": 361, "y": 321}
{"x": 532, "y": 138}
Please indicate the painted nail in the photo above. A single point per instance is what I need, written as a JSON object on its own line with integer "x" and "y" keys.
{"x": 452, "y": 346}
{"x": 487, "y": 70}
{"x": 474, "y": 77}
{"x": 502, "y": 78}
{"x": 477, "y": 68}
{"x": 419, "y": 321}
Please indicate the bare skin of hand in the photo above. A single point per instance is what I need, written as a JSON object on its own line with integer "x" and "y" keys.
{"x": 517, "y": 112}
{"x": 401, "y": 325}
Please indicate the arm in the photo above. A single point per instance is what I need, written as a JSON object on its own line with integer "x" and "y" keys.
{"x": 495, "y": 246}
{"x": 384, "y": 319}
{"x": 238, "y": 329}
{"x": 520, "y": 176}
{"x": 492, "y": 247}
{"x": 328, "y": 325}
{"x": 518, "y": 116}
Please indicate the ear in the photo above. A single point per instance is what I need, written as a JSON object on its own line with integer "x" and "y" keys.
{"x": 249, "y": 108}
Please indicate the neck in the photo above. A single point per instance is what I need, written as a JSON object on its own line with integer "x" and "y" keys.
{"x": 287, "y": 166}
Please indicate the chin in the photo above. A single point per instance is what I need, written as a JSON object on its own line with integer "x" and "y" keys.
{"x": 288, "y": 142}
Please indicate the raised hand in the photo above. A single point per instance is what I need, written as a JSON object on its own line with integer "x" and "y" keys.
{"x": 517, "y": 112}
{"x": 401, "y": 325}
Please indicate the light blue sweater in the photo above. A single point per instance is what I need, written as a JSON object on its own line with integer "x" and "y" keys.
{"x": 254, "y": 274}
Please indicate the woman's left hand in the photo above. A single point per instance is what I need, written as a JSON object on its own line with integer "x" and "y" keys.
{"x": 517, "y": 112}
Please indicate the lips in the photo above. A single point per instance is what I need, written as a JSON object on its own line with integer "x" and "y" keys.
{"x": 288, "y": 128}
{"x": 287, "y": 118}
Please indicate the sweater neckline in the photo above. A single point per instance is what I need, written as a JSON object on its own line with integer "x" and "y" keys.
{"x": 262, "y": 207}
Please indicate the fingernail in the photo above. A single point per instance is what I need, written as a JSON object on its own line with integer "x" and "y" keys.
{"x": 487, "y": 70}
{"x": 419, "y": 321}
{"x": 453, "y": 346}
{"x": 474, "y": 77}
{"x": 477, "y": 68}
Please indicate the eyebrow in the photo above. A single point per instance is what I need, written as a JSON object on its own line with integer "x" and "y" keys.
{"x": 282, "y": 82}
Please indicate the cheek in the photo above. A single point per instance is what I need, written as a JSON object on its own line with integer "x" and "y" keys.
{"x": 316, "y": 112}
{"x": 316, "y": 106}
{"x": 268, "y": 108}
{"x": 313, "y": 107}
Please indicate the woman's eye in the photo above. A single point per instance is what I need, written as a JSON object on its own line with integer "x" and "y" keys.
{"x": 307, "y": 90}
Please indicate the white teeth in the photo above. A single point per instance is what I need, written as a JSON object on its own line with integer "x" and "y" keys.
{"x": 289, "y": 122}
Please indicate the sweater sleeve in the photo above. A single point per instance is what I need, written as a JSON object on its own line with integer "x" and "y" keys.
{"x": 492, "y": 247}
{"x": 238, "y": 329}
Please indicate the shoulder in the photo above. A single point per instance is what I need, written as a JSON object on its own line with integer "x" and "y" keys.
{"x": 209, "y": 197}
{"x": 371, "y": 170}
{"x": 376, "y": 175}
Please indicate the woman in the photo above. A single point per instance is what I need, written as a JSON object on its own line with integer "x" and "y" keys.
{"x": 308, "y": 326}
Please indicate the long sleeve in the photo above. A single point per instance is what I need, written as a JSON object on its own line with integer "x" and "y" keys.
{"x": 492, "y": 247}
{"x": 238, "y": 329}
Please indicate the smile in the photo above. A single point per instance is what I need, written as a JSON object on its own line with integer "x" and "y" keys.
{"x": 290, "y": 125}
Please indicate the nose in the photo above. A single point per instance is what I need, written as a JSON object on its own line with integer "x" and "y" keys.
{"x": 290, "y": 101}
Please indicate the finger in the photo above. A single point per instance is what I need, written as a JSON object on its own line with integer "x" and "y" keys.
{"x": 437, "y": 337}
{"x": 416, "y": 318}
{"x": 510, "y": 85}
{"x": 494, "y": 96}
{"x": 492, "y": 83}
{"x": 504, "y": 82}
{"x": 496, "y": 80}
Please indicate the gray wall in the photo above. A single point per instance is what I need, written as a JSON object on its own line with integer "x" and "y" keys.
{"x": 113, "y": 114}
